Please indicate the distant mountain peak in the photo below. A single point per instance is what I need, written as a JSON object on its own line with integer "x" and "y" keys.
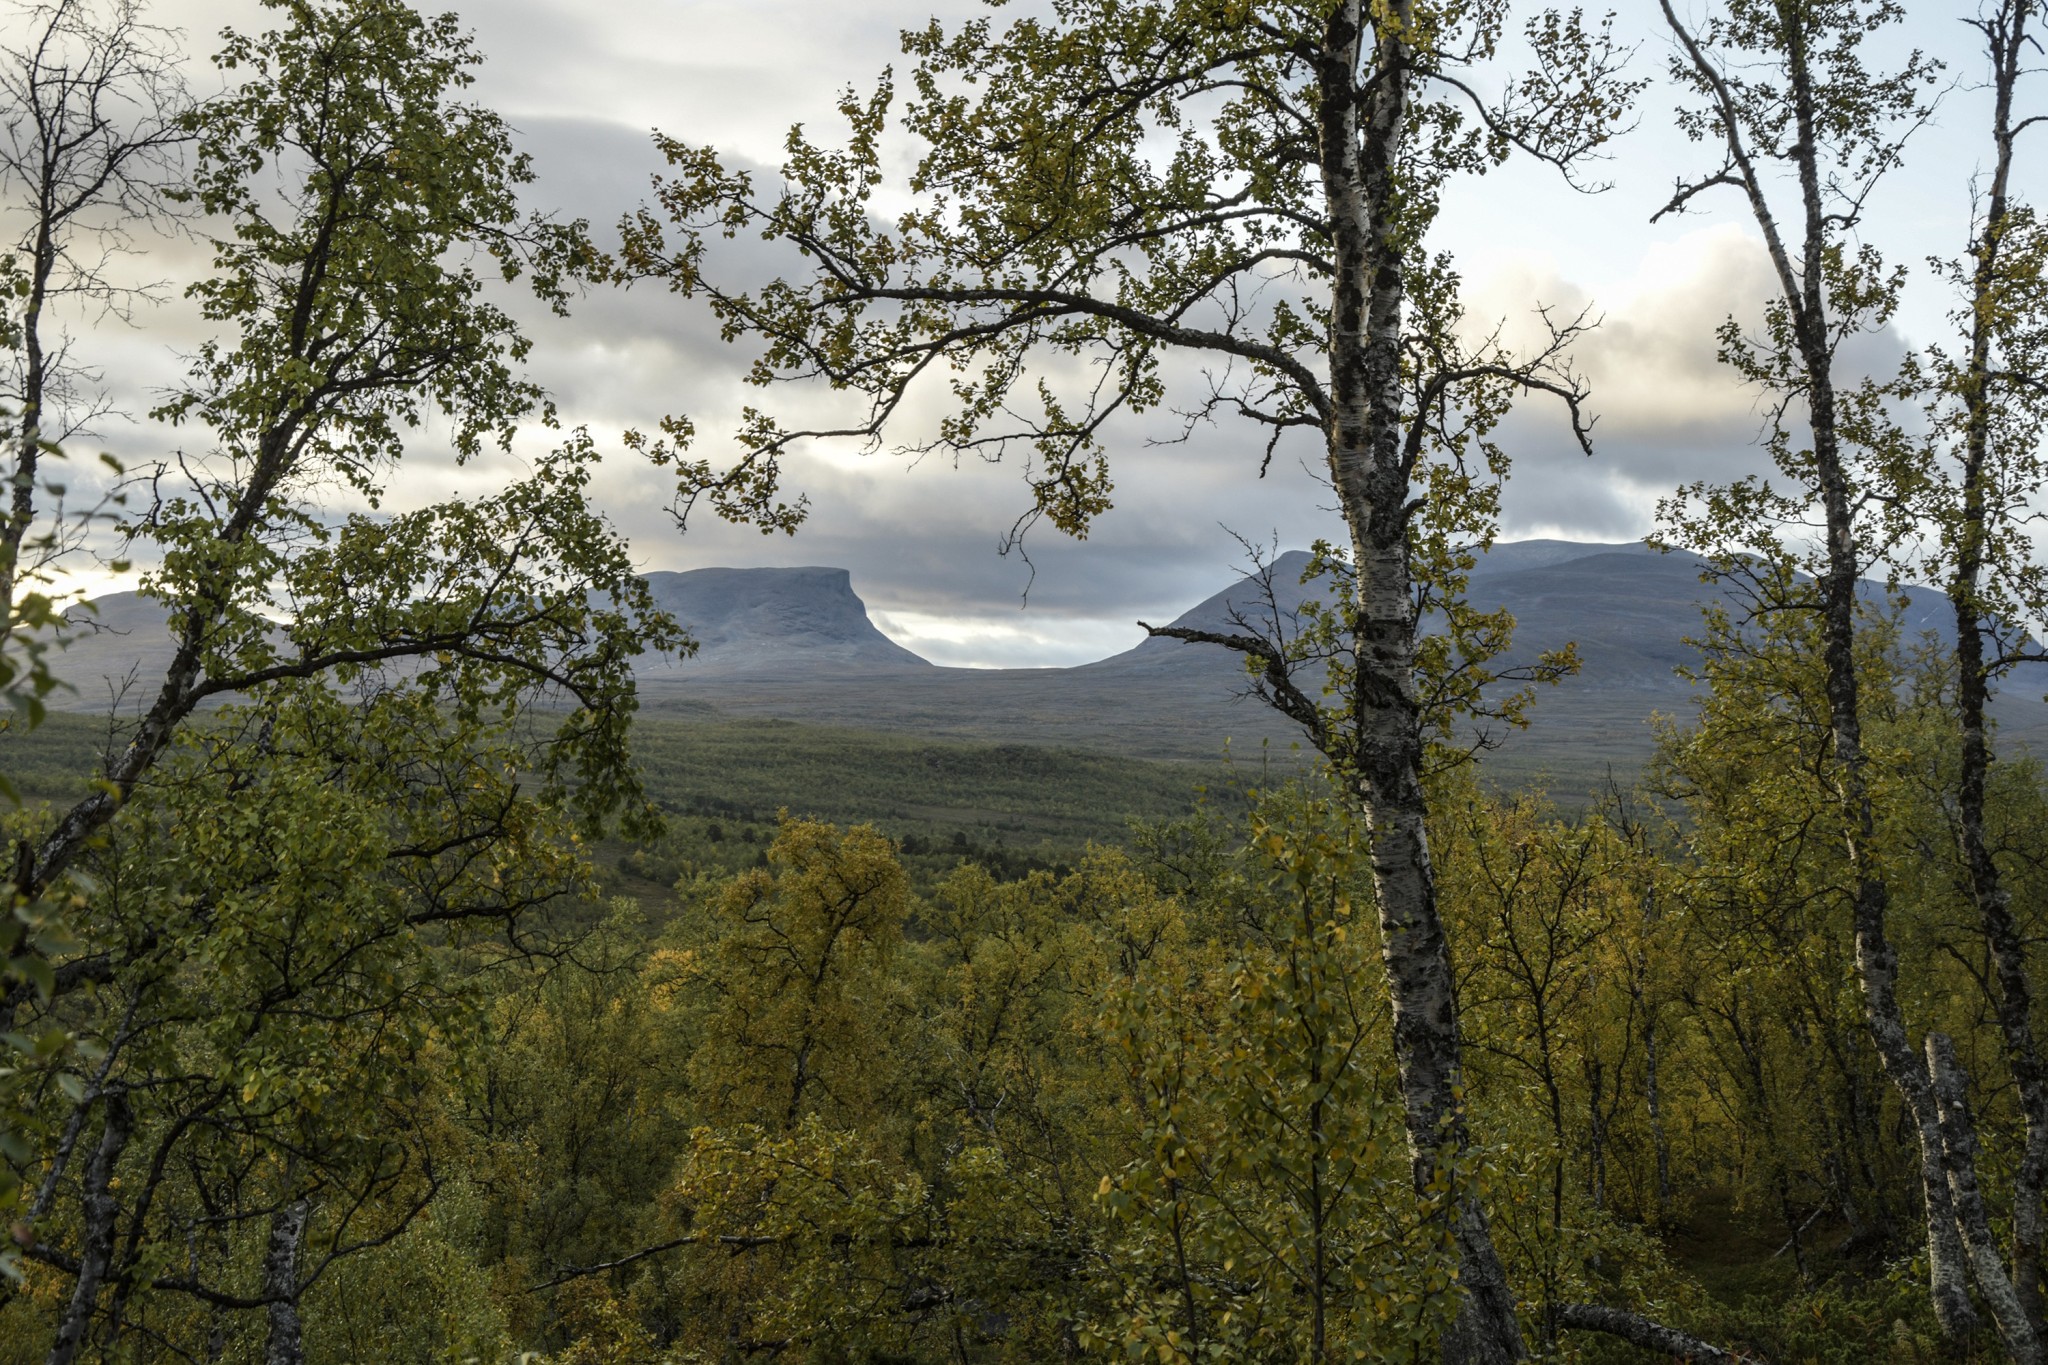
{"x": 1513, "y": 556}
{"x": 798, "y": 643}
{"x": 747, "y": 620}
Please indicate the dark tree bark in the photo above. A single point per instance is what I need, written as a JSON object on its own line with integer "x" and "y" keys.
{"x": 1801, "y": 268}
{"x": 2006, "y": 33}
{"x": 285, "y": 1344}
{"x": 101, "y": 1212}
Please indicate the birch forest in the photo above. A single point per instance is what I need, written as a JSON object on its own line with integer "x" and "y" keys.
{"x": 363, "y": 1000}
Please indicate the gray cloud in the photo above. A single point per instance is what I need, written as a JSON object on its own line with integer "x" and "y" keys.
{"x": 583, "y": 87}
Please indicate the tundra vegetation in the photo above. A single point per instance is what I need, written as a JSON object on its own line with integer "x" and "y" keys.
{"x": 359, "y": 1004}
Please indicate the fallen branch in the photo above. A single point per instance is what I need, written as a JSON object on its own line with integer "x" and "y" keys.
{"x": 1637, "y": 1330}
{"x": 1789, "y": 1241}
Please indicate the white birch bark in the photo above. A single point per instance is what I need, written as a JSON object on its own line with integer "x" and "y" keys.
{"x": 1973, "y": 1224}
{"x": 1362, "y": 133}
{"x": 285, "y": 1344}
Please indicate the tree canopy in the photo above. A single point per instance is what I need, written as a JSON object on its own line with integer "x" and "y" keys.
{"x": 359, "y": 1002}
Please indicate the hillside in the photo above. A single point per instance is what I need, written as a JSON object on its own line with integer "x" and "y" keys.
{"x": 725, "y": 780}
{"x": 750, "y": 620}
{"x": 797, "y": 644}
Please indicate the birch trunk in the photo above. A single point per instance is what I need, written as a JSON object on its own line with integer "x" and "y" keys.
{"x": 1361, "y": 132}
{"x": 285, "y": 1344}
{"x": 1959, "y": 1145}
{"x": 1596, "y": 1134}
{"x": 21, "y": 506}
{"x": 1645, "y": 1334}
{"x": 101, "y": 1212}
{"x": 1877, "y": 963}
{"x": 2013, "y": 999}
{"x": 2012, "y": 1002}
{"x": 1660, "y": 1141}
{"x": 1803, "y": 290}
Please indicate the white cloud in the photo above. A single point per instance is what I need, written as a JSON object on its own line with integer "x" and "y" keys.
{"x": 991, "y": 642}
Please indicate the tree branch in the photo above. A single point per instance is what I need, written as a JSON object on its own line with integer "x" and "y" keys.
{"x": 1650, "y": 1336}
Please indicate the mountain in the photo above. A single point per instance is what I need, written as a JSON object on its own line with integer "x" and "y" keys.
{"x": 745, "y": 621}
{"x": 798, "y": 644}
{"x": 1628, "y": 609}
{"x": 114, "y": 648}
{"x": 1260, "y": 601}
{"x": 755, "y": 620}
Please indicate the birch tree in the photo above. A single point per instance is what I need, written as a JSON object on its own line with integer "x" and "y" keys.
{"x": 1803, "y": 127}
{"x": 348, "y": 303}
{"x": 1987, "y": 398}
{"x": 1116, "y": 190}
{"x": 89, "y": 142}
{"x": 296, "y": 925}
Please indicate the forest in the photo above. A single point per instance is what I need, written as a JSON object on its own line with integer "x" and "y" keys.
{"x": 380, "y": 984}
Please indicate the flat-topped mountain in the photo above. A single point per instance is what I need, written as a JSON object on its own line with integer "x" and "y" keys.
{"x": 744, "y": 620}
{"x": 749, "y": 620}
{"x": 797, "y": 643}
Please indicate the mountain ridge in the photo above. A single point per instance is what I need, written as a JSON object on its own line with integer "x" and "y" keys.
{"x": 745, "y": 619}
{"x": 798, "y": 644}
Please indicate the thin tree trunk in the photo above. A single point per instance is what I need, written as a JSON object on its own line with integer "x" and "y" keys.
{"x": 2007, "y": 37}
{"x": 1660, "y": 1141}
{"x": 1751, "y": 1045}
{"x": 1959, "y": 1144}
{"x": 21, "y": 507}
{"x": 285, "y": 1345}
{"x": 1596, "y": 1135}
{"x": 1362, "y": 133}
{"x": 101, "y": 1213}
{"x": 1836, "y": 1167}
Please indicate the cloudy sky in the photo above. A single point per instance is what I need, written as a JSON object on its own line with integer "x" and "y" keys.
{"x": 584, "y": 84}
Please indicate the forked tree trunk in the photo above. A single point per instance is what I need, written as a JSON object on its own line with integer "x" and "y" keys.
{"x": 1959, "y": 1146}
{"x": 1877, "y": 963}
{"x": 1877, "y": 967}
{"x": 1803, "y": 291}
